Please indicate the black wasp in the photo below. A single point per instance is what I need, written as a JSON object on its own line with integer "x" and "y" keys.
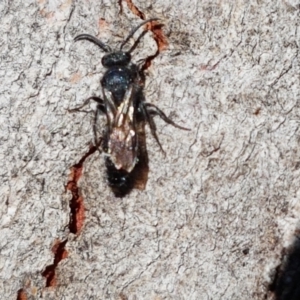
{"x": 125, "y": 108}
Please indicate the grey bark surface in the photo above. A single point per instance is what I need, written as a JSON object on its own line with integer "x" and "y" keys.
{"x": 217, "y": 210}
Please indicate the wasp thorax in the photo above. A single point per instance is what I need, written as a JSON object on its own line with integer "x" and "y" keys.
{"x": 119, "y": 58}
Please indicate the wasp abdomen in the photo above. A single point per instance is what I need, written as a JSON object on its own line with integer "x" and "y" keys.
{"x": 120, "y": 181}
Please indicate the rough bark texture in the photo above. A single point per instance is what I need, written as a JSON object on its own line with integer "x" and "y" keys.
{"x": 217, "y": 211}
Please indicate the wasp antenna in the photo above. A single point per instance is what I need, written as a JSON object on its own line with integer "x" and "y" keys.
{"x": 94, "y": 40}
{"x": 132, "y": 32}
{"x": 136, "y": 42}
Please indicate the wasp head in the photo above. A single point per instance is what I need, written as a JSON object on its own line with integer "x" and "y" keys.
{"x": 118, "y": 58}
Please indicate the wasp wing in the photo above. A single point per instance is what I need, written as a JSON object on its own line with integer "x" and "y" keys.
{"x": 122, "y": 141}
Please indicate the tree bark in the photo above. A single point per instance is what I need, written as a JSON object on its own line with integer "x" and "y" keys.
{"x": 221, "y": 206}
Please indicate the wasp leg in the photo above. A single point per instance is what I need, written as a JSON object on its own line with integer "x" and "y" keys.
{"x": 152, "y": 125}
{"x": 155, "y": 111}
{"x": 97, "y": 141}
{"x": 100, "y": 106}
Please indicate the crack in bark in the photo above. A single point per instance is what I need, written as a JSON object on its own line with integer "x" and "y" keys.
{"x": 77, "y": 201}
{"x": 60, "y": 253}
{"x": 76, "y": 219}
{"x": 21, "y": 295}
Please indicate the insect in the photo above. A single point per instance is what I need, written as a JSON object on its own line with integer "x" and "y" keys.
{"x": 123, "y": 104}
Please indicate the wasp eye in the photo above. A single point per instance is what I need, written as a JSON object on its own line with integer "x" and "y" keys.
{"x": 116, "y": 59}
